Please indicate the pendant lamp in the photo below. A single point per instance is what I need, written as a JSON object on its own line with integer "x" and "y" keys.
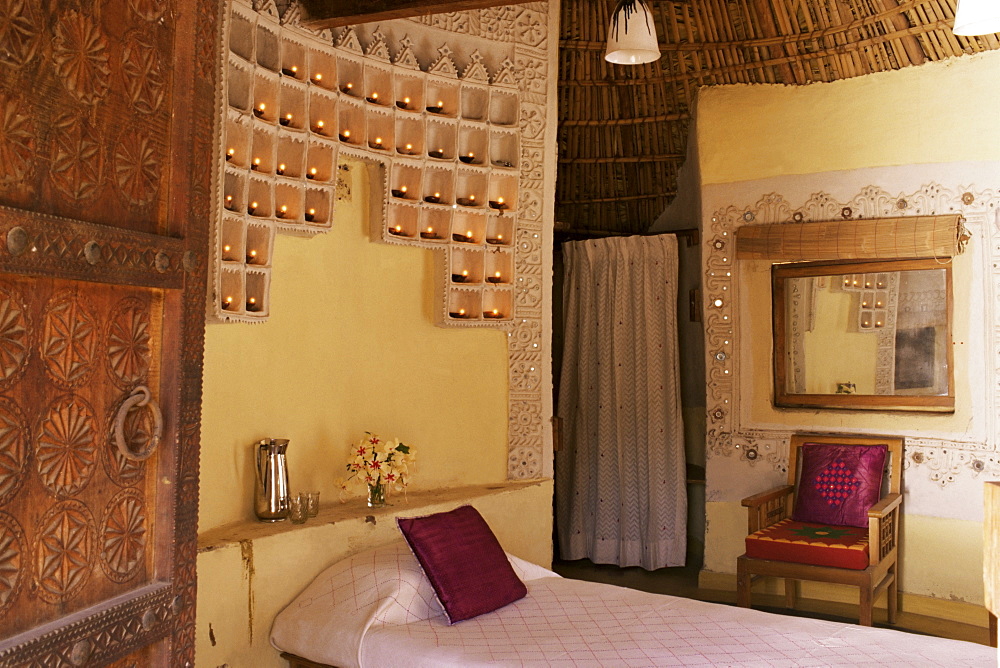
{"x": 632, "y": 35}
{"x": 977, "y": 17}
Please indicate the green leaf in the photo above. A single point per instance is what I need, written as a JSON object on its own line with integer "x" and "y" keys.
{"x": 402, "y": 447}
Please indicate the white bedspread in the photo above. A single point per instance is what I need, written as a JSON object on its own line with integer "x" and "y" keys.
{"x": 377, "y": 609}
{"x": 572, "y": 623}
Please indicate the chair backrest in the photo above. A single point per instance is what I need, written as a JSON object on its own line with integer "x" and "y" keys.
{"x": 891, "y": 479}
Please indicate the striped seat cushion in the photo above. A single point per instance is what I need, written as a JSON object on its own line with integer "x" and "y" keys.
{"x": 811, "y": 543}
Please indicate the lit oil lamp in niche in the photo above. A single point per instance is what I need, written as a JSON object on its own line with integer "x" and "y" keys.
{"x": 252, "y": 304}
{"x": 466, "y": 238}
{"x": 436, "y": 108}
{"x": 495, "y": 278}
{"x": 460, "y": 313}
{"x": 460, "y": 278}
{"x": 468, "y": 159}
{"x": 229, "y": 202}
{"x": 345, "y": 136}
{"x": 282, "y": 212}
{"x": 496, "y": 241}
{"x": 280, "y": 171}
{"x": 467, "y": 201}
{"x": 495, "y": 313}
{"x": 406, "y": 150}
{"x": 227, "y": 252}
{"x": 429, "y": 233}
{"x": 436, "y": 153}
{"x": 347, "y": 88}
{"x": 404, "y": 103}
{"x": 310, "y": 215}
{"x": 373, "y": 98}
{"x": 311, "y": 174}
{"x": 230, "y": 153}
{"x": 397, "y": 230}
{"x": 286, "y": 120}
{"x": 292, "y": 71}
{"x": 433, "y": 199}
{"x": 498, "y": 203}
{"x": 256, "y": 164}
{"x": 251, "y": 257}
{"x": 252, "y": 209}
{"x": 227, "y": 304}
{"x": 399, "y": 192}
{"x": 376, "y": 144}
{"x": 317, "y": 78}
{"x": 319, "y": 128}
{"x": 259, "y": 110}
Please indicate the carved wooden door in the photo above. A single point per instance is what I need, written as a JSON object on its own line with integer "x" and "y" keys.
{"x": 106, "y": 143}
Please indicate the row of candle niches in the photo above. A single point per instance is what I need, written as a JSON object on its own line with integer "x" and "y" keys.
{"x": 329, "y": 77}
{"x": 244, "y": 242}
{"x": 489, "y": 304}
{"x": 288, "y": 203}
{"x": 244, "y": 292}
{"x": 251, "y": 144}
{"x": 466, "y": 190}
{"x": 445, "y": 225}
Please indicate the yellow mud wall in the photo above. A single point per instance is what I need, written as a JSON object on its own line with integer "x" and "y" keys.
{"x": 351, "y": 346}
{"x": 894, "y": 127}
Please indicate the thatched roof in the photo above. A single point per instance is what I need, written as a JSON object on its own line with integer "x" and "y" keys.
{"x": 623, "y": 129}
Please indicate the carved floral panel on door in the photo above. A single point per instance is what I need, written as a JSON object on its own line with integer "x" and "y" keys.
{"x": 75, "y": 523}
{"x": 82, "y": 109}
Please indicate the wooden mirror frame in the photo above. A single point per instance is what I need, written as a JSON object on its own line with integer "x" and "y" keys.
{"x": 943, "y": 403}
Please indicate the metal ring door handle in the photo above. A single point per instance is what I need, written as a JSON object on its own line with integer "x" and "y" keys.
{"x": 140, "y": 397}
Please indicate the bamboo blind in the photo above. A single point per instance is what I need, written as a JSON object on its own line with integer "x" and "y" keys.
{"x": 880, "y": 238}
{"x": 623, "y": 129}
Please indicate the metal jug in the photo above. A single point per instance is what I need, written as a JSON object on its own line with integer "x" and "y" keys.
{"x": 270, "y": 498}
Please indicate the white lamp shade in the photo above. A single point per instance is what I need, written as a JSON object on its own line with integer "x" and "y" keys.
{"x": 632, "y": 35}
{"x": 977, "y": 17}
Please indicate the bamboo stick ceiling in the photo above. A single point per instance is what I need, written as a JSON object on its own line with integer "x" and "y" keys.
{"x": 623, "y": 129}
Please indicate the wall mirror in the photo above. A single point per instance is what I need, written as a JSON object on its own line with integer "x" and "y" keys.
{"x": 863, "y": 335}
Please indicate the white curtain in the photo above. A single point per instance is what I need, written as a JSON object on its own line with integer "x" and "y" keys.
{"x": 621, "y": 496}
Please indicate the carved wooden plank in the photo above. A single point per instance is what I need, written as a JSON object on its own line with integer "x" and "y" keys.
{"x": 106, "y": 128}
{"x": 334, "y": 13}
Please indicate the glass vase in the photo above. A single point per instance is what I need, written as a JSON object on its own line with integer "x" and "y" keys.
{"x": 376, "y": 495}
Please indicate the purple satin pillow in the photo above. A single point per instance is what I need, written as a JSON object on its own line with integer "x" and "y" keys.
{"x": 464, "y": 562}
{"x": 839, "y": 483}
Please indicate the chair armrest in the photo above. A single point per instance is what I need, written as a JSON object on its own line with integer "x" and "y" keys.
{"x": 769, "y": 495}
{"x": 885, "y": 506}
{"x": 883, "y": 526}
{"x": 768, "y": 507}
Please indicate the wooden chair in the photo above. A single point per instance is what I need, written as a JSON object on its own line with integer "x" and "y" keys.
{"x": 769, "y": 508}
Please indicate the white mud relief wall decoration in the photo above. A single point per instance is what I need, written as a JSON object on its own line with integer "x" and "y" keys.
{"x": 460, "y": 133}
{"x": 961, "y": 455}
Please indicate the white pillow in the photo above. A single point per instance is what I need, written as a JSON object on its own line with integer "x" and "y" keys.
{"x": 327, "y": 621}
{"x": 384, "y": 585}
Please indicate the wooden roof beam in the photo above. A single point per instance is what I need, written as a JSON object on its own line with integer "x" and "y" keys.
{"x": 336, "y": 13}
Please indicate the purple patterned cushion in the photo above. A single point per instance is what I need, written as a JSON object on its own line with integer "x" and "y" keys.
{"x": 839, "y": 483}
{"x": 464, "y": 562}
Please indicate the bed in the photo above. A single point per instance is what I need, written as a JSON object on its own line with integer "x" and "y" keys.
{"x": 378, "y": 609}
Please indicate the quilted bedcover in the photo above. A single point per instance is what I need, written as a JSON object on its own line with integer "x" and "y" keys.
{"x": 378, "y": 610}
{"x": 571, "y": 623}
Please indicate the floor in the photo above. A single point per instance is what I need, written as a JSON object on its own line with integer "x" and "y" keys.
{"x": 684, "y": 582}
